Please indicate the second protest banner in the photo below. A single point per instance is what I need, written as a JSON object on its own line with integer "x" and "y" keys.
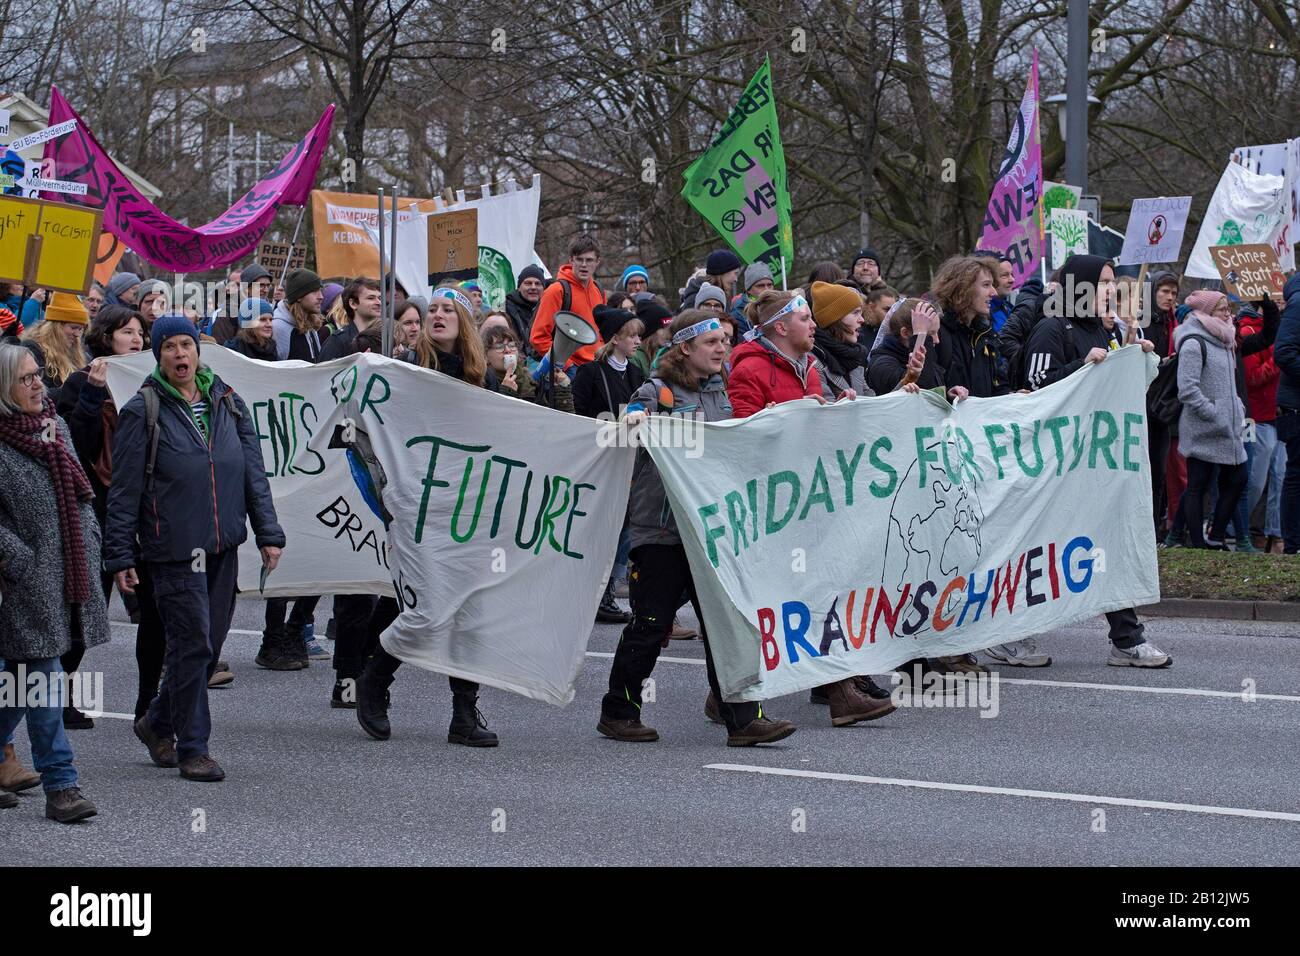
{"x": 848, "y": 539}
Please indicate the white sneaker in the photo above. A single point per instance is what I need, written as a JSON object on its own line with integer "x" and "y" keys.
{"x": 1023, "y": 653}
{"x": 1144, "y": 655}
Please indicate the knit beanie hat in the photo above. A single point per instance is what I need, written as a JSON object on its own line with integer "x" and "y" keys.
{"x": 66, "y": 307}
{"x": 867, "y": 253}
{"x": 531, "y": 272}
{"x": 420, "y": 302}
{"x": 121, "y": 282}
{"x": 633, "y": 271}
{"x": 708, "y": 292}
{"x": 721, "y": 261}
{"x": 250, "y": 311}
{"x": 253, "y": 273}
{"x": 611, "y": 321}
{"x": 652, "y": 315}
{"x": 151, "y": 287}
{"x": 332, "y": 291}
{"x": 1204, "y": 300}
{"x": 756, "y": 273}
{"x": 298, "y": 283}
{"x": 832, "y": 302}
{"x": 168, "y": 325}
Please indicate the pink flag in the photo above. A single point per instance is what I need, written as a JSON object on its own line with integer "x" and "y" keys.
{"x": 1010, "y": 225}
{"x": 144, "y": 228}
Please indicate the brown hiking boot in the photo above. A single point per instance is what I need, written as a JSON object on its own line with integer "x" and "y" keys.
{"x": 958, "y": 664}
{"x": 204, "y": 769}
{"x": 849, "y": 705}
{"x": 68, "y": 806}
{"x": 762, "y": 730}
{"x": 162, "y": 750}
{"x": 632, "y": 730}
{"x": 14, "y": 777}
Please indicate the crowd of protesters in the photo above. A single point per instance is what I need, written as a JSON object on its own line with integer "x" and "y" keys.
{"x": 156, "y": 497}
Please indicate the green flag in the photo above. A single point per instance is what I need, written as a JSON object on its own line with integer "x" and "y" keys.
{"x": 739, "y": 185}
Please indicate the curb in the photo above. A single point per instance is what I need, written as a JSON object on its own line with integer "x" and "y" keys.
{"x": 1226, "y": 610}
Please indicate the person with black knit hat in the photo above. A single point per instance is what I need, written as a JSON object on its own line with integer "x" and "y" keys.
{"x": 655, "y": 318}
{"x": 865, "y": 270}
{"x": 721, "y": 269}
{"x": 521, "y": 302}
{"x": 1070, "y": 336}
{"x": 298, "y": 324}
{"x": 207, "y": 482}
{"x": 840, "y": 359}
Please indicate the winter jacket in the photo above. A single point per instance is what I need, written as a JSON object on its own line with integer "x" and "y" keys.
{"x": 339, "y": 344}
{"x": 1211, "y": 426}
{"x": 1014, "y": 334}
{"x": 1058, "y": 347}
{"x": 888, "y": 365}
{"x": 265, "y": 353}
{"x": 840, "y": 365}
{"x": 81, "y": 405}
{"x": 650, "y": 518}
{"x": 582, "y": 300}
{"x": 690, "y": 292}
{"x": 35, "y": 619}
{"x": 290, "y": 343}
{"x": 738, "y": 306}
{"x": 1262, "y": 375}
{"x": 1286, "y": 353}
{"x": 760, "y": 375}
{"x": 999, "y": 312}
{"x": 599, "y": 387}
{"x": 968, "y": 356}
{"x": 520, "y": 312}
{"x": 222, "y": 327}
{"x": 204, "y": 493}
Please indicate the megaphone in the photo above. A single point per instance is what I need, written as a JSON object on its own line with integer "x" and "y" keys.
{"x": 572, "y": 332}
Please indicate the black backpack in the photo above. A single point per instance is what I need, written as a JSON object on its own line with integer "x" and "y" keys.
{"x": 1163, "y": 403}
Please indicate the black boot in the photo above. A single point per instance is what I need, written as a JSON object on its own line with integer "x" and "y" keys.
{"x": 609, "y": 612}
{"x": 467, "y": 724}
{"x": 272, "y": 655}
{"x": 295, "y": 647}
{"x": 372, "y": 703}
{"x": 344, "y": 695}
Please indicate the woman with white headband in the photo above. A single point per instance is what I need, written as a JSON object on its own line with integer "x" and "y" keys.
{"x": 449, "y": 344}
{"x": 687, "y": 381}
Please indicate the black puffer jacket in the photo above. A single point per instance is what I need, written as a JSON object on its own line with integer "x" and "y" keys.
{"x": 521, "y": 313}
{"x": 968, "y": 356}
{"x": 204, "y": 495}
{"x": 264, "y": 353}
{"x": 889, "y": 364}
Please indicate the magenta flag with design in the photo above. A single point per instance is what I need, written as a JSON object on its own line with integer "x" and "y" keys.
{"x": 147, "y": 230}
{"x": 1010, "y": 222}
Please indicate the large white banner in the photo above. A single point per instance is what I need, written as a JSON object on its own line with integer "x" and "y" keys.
{"x": 1277, "y": 159}
{"x": 494, "y": 521}
{"x": 848, "y": 539}
{"x": 1246, "y": 208}
{"x": 507, "y": 228}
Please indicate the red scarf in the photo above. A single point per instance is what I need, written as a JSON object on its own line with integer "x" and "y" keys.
{"x": 25, "y": 433}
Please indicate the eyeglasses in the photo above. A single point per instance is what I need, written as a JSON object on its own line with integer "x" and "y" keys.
{"x": 504, "y": 347}
{"x": 587, "y": 261}
{"x": 31, "y": 378}
{"x": 713, "y": 305}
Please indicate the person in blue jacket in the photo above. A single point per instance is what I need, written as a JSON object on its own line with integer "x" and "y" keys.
{"x": 184, "y": 514}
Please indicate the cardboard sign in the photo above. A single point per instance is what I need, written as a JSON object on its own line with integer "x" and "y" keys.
{"x": 1249, "y": 272}
{"x": 453, "y": 245}
{"x": 43, "y": 135}
{"x": 1069, "y": 229}
{"x": 279, "y": 257}
{"x": 1155, "y": 230}
{"x": 48, "y": 244}
{"x": 1060, "y": 196}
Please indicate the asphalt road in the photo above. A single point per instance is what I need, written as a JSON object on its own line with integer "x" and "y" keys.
{"x": 921, "y": 786}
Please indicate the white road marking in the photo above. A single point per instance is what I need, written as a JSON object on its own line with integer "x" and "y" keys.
{"x": 1012, "y": 792}
{"x": 670, "y": 660}
{"x": 91, "y": 713}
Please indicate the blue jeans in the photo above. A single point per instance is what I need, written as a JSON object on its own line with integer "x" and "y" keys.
{"x": 196, "y": 608}
{"x": 51, "y": 753}
{"x": 1267, "y": 467}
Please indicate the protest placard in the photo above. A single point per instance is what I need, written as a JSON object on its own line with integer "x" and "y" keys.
{"x": 453, "y": 245}
{"x": 1155, "y": 230}
{"x": 1249, "y": 272}
{"x": 279, "y": 257}
{"x": 48, "y": 244}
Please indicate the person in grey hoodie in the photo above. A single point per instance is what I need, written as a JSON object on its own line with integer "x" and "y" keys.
{"x": 1211, "y": 428}
{"x": 296, "y": 324}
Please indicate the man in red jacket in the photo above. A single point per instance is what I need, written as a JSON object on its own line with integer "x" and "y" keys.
{"x": 775, "y": 366}
{"x": 577, "y": 277}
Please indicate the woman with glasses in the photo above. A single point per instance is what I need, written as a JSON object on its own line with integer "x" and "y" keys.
{"x": 503, "y": 352}
{"x": 49, "y": 561}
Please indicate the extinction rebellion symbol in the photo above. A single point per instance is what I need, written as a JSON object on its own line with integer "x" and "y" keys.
{"x": 733, "y": 219}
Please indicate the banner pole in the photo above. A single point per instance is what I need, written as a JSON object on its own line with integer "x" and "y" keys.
{"x": 392, "y": 269}
{"x": 383, "y": 282}
{"x": 783, "y": 281}
{"x": 302, "y": 210}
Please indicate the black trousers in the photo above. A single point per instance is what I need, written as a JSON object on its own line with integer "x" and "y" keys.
{"x": 1158, "y": 439}
{"x": 1232, "y": 482}
{"x": 385, "y": 664}
{"x": 352, "y": 614}
{"x": 299, "y": 616}
{"x": 659, "y": 575}
{"x": 1288, "y": 432}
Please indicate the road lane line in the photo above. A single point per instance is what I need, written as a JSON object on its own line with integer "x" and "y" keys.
{"x": 1011, "y": 792}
